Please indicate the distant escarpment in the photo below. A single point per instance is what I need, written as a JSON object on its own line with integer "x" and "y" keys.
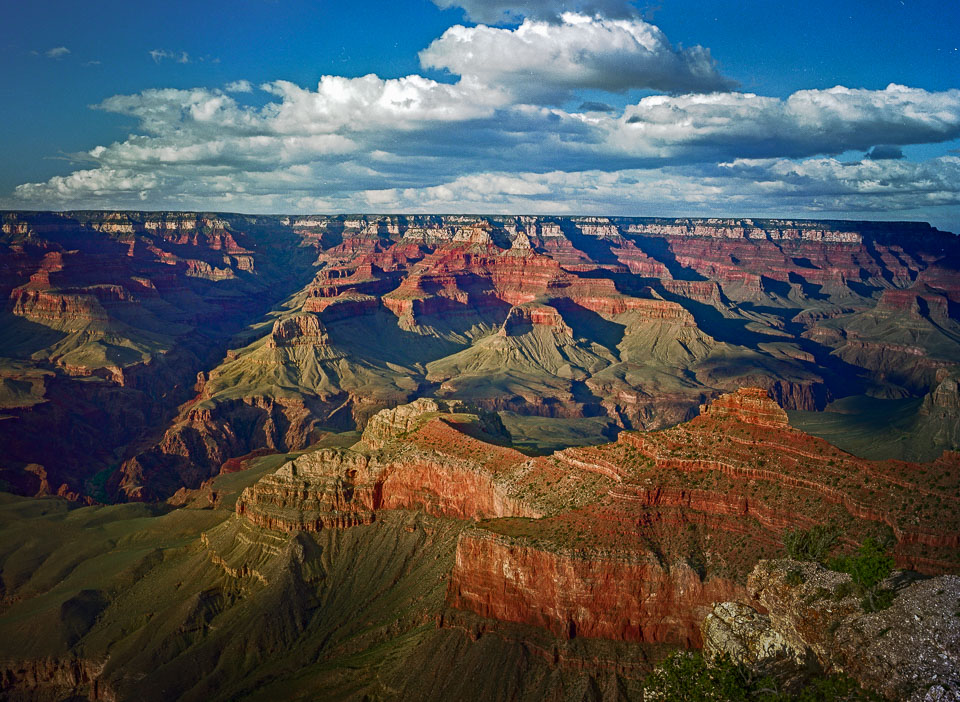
{"x": 306, "y": 324}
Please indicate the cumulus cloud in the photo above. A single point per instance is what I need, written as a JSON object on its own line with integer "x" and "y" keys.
{"x": 864, "y": 186}
{"x": 413, "y": 129}
{"x": 56, "y": 52}
{"x": 777, "y": 186}
{"x": 369, "y": 102}
{"x": 808, "y": 122}
{"x": 542, "y": 61}
{"x": 239, "y": 86}
{"x": 505, "y": 11}
{"x": 496, "y": 139}
{"x": 93, "y": 183}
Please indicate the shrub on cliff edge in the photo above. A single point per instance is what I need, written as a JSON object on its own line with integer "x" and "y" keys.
{"x": 868, "y": 568}
{"x": 687, "y": 676}
{"x": 812, "y": 544}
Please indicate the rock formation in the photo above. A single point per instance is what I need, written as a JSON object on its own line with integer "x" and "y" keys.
{"x": 607, "y": 542}
{"x": 908, "y": 651}
{"x": 749, "y": 405}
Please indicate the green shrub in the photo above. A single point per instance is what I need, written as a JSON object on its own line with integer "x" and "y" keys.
{"x": 834, "y": 688}
{"x": 689, "y": 677}
{"x": 868, "y": 568}
{"x": 844, "y": 589}
{"x": 812, "y": 544}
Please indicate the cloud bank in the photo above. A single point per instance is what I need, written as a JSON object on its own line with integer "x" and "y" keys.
{"x": 518, "y": 127}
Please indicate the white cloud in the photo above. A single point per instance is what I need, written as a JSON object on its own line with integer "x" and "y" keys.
{"x": 502, "y": 11}
{"x": 808, "y": 122}
{"x": 543, "y": 61}
{"x": 93, "y": 183}
{"x": 491, "y": 141}
{"x": 159, "y": 55}
{"x": 778, "y": 187}
{"x": 239, "y": 86}
{"x": 869, "y": 185}
{"x": 772, "y": 187}
{"x": 355, "y": 104}
{"x": 56, "y": 52}
{"x": 370, "y": 134}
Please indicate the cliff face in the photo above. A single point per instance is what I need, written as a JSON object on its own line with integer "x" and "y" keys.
{"x": 57, "y": 679}
{"x": 627, "y": 598}
{"x": 632, "y": 541}
{"x": 940, "y": 412}
{"x": 391, "y": 424}
{"x": 748, "y": 405}
{"x": 121, "y": 311}
{"x": 410, "y": 458}
{"x": 335, "y": 489}
{"x": 450, "y": 553}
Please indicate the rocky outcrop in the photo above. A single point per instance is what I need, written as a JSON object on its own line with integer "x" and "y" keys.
{"x": 390, "y": 424}
{"x": 323, "y": 490}
{"x": 917, "y": 301}
{"x": 411, "y": 457}
{"x": 938, "y": 419}
{"x": 337, "y": 489}
{"x": 909, "y": 651}
{"x": 744, "y": 634}
{"x": 522, "y": 319}
{"x": 304, "y": 329}
{"x": 195, "y": 448}
{"x": 750, "y": 405}
{"x": 51, "y": 678}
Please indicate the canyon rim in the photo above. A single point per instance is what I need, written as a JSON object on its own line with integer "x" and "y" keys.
{"x": 480, "y": 350}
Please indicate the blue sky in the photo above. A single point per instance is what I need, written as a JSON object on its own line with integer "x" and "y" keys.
{"x": 671, "y": 108}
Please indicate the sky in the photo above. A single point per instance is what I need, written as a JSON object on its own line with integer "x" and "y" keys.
{"x": 822, "y": 109}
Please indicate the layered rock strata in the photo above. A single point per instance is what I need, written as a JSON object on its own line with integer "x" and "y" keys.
{"x": 631, "y": 541}
{"x": 635, "y": 320}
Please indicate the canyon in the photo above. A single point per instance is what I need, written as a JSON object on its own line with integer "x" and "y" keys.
{"x": 430, "y": 538}
{"x": 342, "y": 456}
{"x": 177, "y": 341}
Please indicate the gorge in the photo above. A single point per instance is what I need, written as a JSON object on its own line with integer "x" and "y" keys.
{"x": 379, "y": 456}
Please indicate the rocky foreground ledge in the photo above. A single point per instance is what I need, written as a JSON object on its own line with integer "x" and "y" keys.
{"x": 803, "y": 614}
